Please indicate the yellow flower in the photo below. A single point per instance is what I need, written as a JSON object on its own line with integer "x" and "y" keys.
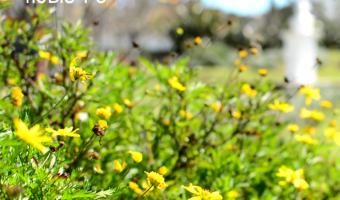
{"x": 309, "y": 129}
{"x": 103, "y": 113}
{"x": 182, "y": 113}
{"x": 314, "y": 114}
{"x": 81, "y": 55}
{"x": 283, "y": 106}
{"x": 248, "y": 91}
{"x": 16, "y": 96}
{"x": 237, "y": 114}
{"x": 243, "y": 53}
{"x": 253, "y": 50}
{"x": 54, "y": 60}
{"x": 306, "y": 138}
{"x": 63, "y": 132}
{"x": 242, "y": 68}
{"x": 128, "y": 103}
{"x": 262, "y": 72}
{"x": 133, "y": 185}
{"x": 217, "y": 106}
{"x": 163, "y": 170}
{"x": 157, "y": 87}
{"x": 179, "y": 31}
{"x": 294, "y": 177}
{"x": 166, "y": 122}
{"x": 332, "y": 133}
{"x": 118, "y": 108}
{"x": 155, "y": 179}
{"x": 175, "y": 84}
{"x": 102, "y": 124}
{"x": 310, "y": 94}
{"x": 198, "y": 41}
{"x": 11, "y": 81}
{"x": 32, "y": 136}
{"x": 136, "y": 156}
{"x": 189, "y": 115}
{"x": 326, "y": 104}
{"x": 293, "y": 128}
{"x": 232, "y": 194}
{"x": 334, "y": 123}
{"x": 237, "y": 62}
{"x": 44, "y": 54}
{"x": 99, "y": 170}
{"x": 202, "y": 194}
{"x": 119, "y": 167}
{"x": 132, "y": 70}
{"x": 78, "y": 73}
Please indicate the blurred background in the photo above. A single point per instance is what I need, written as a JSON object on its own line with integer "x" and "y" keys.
{"x": 281, "y": 27}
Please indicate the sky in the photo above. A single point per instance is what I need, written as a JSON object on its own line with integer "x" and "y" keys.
{"x": 245, "y": 7}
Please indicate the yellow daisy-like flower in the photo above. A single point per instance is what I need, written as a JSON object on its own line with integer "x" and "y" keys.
{"x": 253, "y": 50}
{"x": 237, "y": 62}
{"x": 294, "y": 177}
{"x": 243, "y": 53}
{"x": 78, "y": 73}
{"x": 232, "y": 194}
{"x": 133, "y": 185}
{"x": 262, "y": 72}
{"x": 81, "y": 55}
{"x": 310, "y": 94}
{"x": 155, "y": 179}
{"x": 309, "y": 129}
{"x": 189, "y": 115}
{"x": 332, "y": 133}
{"x": 217, "y": 106}
{"x": 11, "y": 81}
{"x": 237, "y": 114}
{"x": 16, "y": 96}
{"x": 293, "y": 128}
{"x": 54, "y": 60}
{"x": 202, "y": 194}
{"x": 283, "y": 106}
{"x": 118, "y": 108}
{"x": 128, "y": 103}
{"x": 314, "y": 114}
{"x": 242, "y": 68}
{"x": 136, "y": 156}
{"x": 326, "y": 104}
{"x": 63, "y": 132}
{"x": 119, "y": 167}
{"x": 180, "y": 31}
{"x": 44, "y": 54}
{"x": 182, "y": 113}
{"x": 102, "y": 124}
{"x": 103, "y": 113}
{"x": 157, "y": 87}
{"x": 175, "y": 84}
{"x": 333, "y": 123}
{"x": 166, "y": 122}
{"x": 163, "y": 170}
{"x": 306, "y": 138}
{"x": 198, "y": 41}
{"x": 32, "y": 136}
{"x": 248, "y": 90}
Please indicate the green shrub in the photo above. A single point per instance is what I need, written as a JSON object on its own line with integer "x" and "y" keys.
{"x": 107, "y": 137}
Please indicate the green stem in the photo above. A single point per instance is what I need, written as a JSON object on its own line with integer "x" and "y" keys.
{"x": 50, "y": 109}
{"x": 145, "y": 192}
